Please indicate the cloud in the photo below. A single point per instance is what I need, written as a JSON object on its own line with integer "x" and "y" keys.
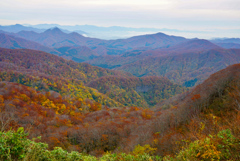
{"x": 209, "y": 4}
{"x": 178, "y": 14}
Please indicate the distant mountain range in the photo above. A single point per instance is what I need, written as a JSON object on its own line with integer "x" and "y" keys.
{"x": 107, "y": 33}
{"x": 17, "y": 28}
{"x": 113, "y": 32}
{"x": 228, "y": 42}
{"x": 56, "y": 38}
{"x": 185, "y": 61}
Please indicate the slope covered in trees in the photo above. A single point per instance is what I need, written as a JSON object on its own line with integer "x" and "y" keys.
{"x": 200, "y": 115}
{"x": 138, "y": 54}
{"x": 67, "y": 122}
{"x": 184, "y": 68}
{"x": 201, "y": 124}
{"x": 145, "y": 91}
{"x": 47, "y": 72}
{"x": 54, "y": 65}
{"x": 187, "y": 63}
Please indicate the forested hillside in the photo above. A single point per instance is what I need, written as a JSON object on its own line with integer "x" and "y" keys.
{"x": 54, "y": 65}
{"x": 145, "y": 91}
{"x": 187, "y": 68}
{"x": 201, "y": 124}
{"x": 188, "y": 63}
{"x": 48, "y": 72}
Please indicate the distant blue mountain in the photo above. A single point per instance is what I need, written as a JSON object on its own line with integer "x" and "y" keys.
{"x": 113, "y": 32}
{"x": 227, "y": 40}
{"x": 116, "y": 32}
{"x": 17, "y": 28}
{"x": 228, "y": 43}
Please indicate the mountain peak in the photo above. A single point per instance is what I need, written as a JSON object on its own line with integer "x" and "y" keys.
{"x": 18, "y": 25}
{"x": 54, "y": 30}
{"x": 203, "y": 43}
{"x": 160, "y": 33}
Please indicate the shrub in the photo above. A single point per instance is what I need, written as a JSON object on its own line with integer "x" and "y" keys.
{"x": 223, "y": 146}
{"x": 146, "y": 149}
{"x": 16, "y": 146}
{"x": 12, "y": 145}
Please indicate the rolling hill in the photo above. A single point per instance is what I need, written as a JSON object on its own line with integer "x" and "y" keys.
{"x": 194, "y": 45}
{"x": 12, "y": 42}
{"x": 77, "y": 53}
{"x": 141, "y": 92}
{"x": 188, "y": 63}
{"x": 54, "y": 65}
{"x": 185, "y": 67}
{"x": 45, "y": 71}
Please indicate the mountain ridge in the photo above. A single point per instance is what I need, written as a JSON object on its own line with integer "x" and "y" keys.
{"x": 12, "y": 42}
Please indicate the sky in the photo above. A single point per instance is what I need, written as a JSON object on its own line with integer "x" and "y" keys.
{"x": 214, "y": 18}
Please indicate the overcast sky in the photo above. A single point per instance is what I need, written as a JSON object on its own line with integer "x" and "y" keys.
{"x": 200, "y": 15}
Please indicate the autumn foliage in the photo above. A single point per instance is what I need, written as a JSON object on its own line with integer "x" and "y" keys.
{"x": 200, "y": 124}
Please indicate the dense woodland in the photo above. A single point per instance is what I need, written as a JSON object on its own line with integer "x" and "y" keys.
{"x": 187, "y": 64}
{"x": 48, "y": 72}
{"x": 145, "y": 91}
{"x": 88, "y": 127}
{"x": 52, "y": 108}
